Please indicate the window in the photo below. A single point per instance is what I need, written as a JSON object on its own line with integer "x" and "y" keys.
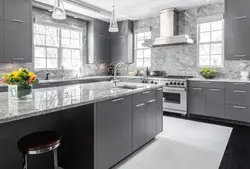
{"x": 56, "y": 47}
{"x": 210, "y": 44}
{"x": 142, "y": 53}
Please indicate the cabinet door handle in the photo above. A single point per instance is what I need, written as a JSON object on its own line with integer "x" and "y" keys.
{"x": 239, "y": 56}
{"x": 146, "y": 92}
{"x": 215, "y": 90}
{"x": 140, "y": 105}
{"x": 17, "y": 58}
{"x": 241, "y": 17}
{"x": 100, "y": 36}
{"x": 197, "y": 88}
{"x": 240, "y": 83}
{"x": 159, "y": 89}
{"x": 206, "y": 82}
{"x": 117, "y": 100}
{"x": 239, "y": 91}
{"x": 239, "y": 107}
{"x": 151, "y": 101}
{"x": 16, "y": 20}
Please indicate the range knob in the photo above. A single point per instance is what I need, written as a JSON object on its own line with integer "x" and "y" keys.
{"x": 143, "y": 81}
{"x": 174, "y": 83}
{"x": 152, "y": 82}
{"x": 182, "y": 84}
{"x": 166, "y": 84}
{"x": 146, "y": 81}
{"x": 156, "y": 82}
{"x": 171, "y": 83}
{"x": 179, "y": 84}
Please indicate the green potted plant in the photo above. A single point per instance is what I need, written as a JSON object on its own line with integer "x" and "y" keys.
{"x": 20, "y": 83}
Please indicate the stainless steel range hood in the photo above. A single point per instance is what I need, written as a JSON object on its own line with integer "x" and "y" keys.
{"x": 168, "y": 31}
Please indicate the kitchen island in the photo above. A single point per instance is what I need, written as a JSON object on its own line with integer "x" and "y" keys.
{"x": 101, "y": 124}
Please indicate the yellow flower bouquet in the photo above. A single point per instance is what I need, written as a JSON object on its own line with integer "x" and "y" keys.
{"x": 20, "y": 83}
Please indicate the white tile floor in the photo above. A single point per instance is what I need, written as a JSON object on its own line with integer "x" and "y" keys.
{"x": 183, "y": 144}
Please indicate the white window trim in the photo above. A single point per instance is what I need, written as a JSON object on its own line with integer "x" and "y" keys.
{"x": 136, "y": 31}
{"x": 210, "y": 19}
{"x": 60, "y": 47}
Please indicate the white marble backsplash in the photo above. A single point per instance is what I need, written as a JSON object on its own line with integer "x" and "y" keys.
{"x": 182, "y": 60}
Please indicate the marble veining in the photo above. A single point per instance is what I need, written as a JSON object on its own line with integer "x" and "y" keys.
{"x": 182, "y": 60}
{"x": 48, "y": 100}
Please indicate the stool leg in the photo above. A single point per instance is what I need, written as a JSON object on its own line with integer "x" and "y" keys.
{"x": 55, "y": 159}
{"x": 25, "y": 161}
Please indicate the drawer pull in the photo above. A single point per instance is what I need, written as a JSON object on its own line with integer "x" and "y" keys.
{"x": 206, "y": 82}
{"x": 240, "y": 83}
{"x": 151, "y": 101}
{"x": 215, "y": 90}
{"x": 117, "y": 100}
{"x": 241, "y": 17}
{"x": 197, "y": 88}
{"x": 239, "y": 56}
{"x": 16, "y": 20}
{"x": 17, "y": 58}
{"x": 146, "y": 92}
{"x": 239, "y": 91}
{"x": 159, "y": 89}
{"x": 239, "y": 107}
{"x": 140, "y": 105}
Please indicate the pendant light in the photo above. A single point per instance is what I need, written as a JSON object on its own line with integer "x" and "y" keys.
{"x": 58, "y": 10}
{"x": 113, "y": 27}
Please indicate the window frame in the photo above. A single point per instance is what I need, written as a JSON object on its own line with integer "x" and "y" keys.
{"x": 142, "y": 30}
{"x": 60, "y": 48}
{"x": 210, "y": 19}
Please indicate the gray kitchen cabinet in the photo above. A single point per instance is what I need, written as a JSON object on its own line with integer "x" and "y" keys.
{"x": 18, "y": 10}
{"x": 215, "y": 103}
{"x": 151, "y": 119}
{"x": 3, "y": 89}
{"x": 196, "y": 101}
{"x": 122, "y": 43}
{"x": 139, "y": 123}
{"x": 1, "y": 9}
{"x": 237, "y": 25}
{"x": 113, "y": 131}
{"x": 99, "y": 42}
{"x": 1, "y": 40}
{"x": 159, "y": 110}
{"x": 17, "y": 41}
{"x": 238, "y": 113}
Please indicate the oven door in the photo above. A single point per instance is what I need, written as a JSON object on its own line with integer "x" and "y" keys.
{"x": 175, "y": 99}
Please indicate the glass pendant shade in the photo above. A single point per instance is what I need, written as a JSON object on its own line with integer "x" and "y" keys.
{"x": 58, "y": 10}
{"x": 113, "y": 27}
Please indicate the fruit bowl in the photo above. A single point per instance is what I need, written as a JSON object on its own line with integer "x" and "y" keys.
{"x": 208, "y": 73}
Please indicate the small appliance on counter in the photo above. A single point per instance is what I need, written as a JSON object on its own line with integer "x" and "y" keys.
{"x": 244, "y": 75}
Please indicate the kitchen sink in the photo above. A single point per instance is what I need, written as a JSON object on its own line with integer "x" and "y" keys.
{"x": 129, "y": 87}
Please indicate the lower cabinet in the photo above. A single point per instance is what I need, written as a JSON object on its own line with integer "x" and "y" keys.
{"x": 124, "y": 124}
{"x": 196, "y": 101}
{"x": 113, "y": 131}
{"x": 215, "y": 103}
{"x": 207, "y": 100}
{"x": 238, "y": 113}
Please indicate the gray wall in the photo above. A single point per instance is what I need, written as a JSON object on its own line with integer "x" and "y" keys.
{"x": 182, "y": 60}
{"x": 88, "y": 69}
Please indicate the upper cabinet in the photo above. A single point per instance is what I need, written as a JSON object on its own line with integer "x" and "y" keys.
{"x": 122, "y": 45}
{"x": 237, "y": 26}
{"x": 16, "y": 30}
{"x": 1, "y": 9}
{"x": 99, "y": 42}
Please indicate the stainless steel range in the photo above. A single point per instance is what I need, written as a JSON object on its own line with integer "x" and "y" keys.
{"x": 174, "y": 92}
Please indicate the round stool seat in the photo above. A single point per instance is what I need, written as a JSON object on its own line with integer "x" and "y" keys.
{"x": 40, "y": 142}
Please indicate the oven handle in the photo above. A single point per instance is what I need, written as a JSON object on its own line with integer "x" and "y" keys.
{"x": 166, "y": 89}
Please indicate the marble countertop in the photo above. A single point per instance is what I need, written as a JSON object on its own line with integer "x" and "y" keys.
{"x": 220, "y": 80}
{"x": 48, "y": 100}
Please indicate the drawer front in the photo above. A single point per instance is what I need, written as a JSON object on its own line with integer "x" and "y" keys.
{"x": 144, "y": 97}
{"x": 237, "y": 97}
{"x": 238, "y": 113}
{"x": 207, "y": 84}
{"x": 238, "y": 86}
{"x": 3, "y": 89}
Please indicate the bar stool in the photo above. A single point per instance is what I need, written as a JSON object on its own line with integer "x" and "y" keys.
{"x": 39, "y": 143}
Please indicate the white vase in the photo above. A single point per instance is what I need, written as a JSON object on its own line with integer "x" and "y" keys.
{"x": 16, "y": 92}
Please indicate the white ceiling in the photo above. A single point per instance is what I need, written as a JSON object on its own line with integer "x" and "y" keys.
{"x": 132, "y": 9}
{"x": 145, "y": 8}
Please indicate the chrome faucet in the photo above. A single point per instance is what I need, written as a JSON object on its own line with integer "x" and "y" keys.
{"x": 115, "y": 72}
